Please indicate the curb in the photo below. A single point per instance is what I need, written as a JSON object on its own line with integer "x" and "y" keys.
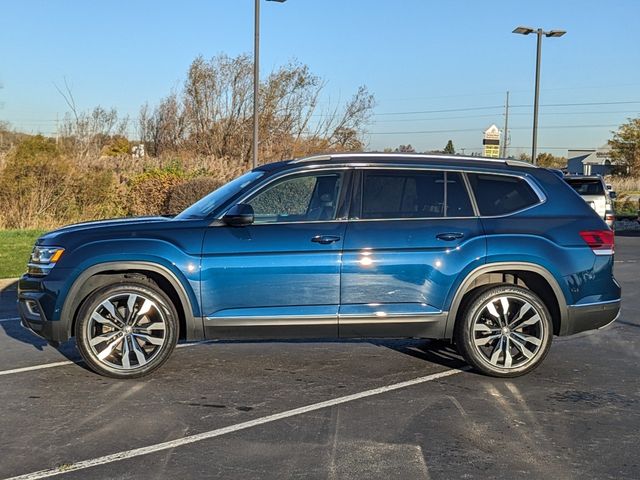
{"x": 8, "y": 283}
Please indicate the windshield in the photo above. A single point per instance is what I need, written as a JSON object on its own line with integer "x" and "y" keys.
{"x": 586, "y": 186}
{"x": 206, "y": 205}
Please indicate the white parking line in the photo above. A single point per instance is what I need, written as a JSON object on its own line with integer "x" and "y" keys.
{"x": 136, "y": 452}
{"x": 36, "y": 367}
{"x": 42, "y": 366}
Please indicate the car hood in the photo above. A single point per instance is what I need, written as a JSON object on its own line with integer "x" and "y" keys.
{"x": 118, "y": 224}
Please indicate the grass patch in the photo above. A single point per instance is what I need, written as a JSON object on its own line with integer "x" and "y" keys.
{"x": 15, "y": 247}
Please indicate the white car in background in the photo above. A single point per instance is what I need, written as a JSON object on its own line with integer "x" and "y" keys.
{"x": 596, "y": 193}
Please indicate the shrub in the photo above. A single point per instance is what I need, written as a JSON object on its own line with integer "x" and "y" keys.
{"x": 34, "y": 184}
{"x": 184, "y": 194}
{"x": 149, "y": 191}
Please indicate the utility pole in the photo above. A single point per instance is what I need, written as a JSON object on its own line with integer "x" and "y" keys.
{"x": 506, "y": 127}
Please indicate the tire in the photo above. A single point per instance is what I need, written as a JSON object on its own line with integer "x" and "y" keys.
{"x": 126, "y": 330}
{"x": 504, "y": 331}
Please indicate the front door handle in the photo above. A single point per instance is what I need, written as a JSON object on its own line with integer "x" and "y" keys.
{"x": 325, "y": 239}
{"x": 450, "y": 236}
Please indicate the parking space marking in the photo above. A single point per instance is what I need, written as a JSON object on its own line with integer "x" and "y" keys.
{"x": 158, "y": 447}
{"x": 69, "y": 362}
{"x": 36, "y": 367}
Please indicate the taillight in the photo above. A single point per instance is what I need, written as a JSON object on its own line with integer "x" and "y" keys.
{"x": 600, "y": 241}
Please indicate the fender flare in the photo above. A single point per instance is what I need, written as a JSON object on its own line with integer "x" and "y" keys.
{"x": 194, "y": 327}
{"x": 497, "y": 267}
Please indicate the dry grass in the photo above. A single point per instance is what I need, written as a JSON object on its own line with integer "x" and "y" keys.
{"x": 624, "y": 184}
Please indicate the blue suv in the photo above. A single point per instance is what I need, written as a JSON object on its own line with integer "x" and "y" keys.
{"x": 495, "y": 255}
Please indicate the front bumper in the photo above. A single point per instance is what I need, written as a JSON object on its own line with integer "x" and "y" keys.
{"x": 37, "y": 298}
{"x": 591, "y": 316}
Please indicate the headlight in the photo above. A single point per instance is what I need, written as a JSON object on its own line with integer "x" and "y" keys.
{"x": 43, "y": 259}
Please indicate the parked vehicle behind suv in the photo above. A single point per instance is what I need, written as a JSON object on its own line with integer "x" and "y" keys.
{"x": 497, "y": 256}
{"x": 596, "y": 193}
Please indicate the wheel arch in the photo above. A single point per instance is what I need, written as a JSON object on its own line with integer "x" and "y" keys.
{"x": 102, "y": 274}
{"x": 536, "y": 278}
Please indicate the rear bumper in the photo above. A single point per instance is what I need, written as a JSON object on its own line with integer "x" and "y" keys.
{"x": 592, "y": 316}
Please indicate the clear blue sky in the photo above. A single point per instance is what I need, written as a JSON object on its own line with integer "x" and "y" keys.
{"x": 414, "y": 55}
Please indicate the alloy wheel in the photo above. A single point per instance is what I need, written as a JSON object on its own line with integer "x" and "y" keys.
{"x": 508, "y": 332}
{"x": 126, "y": 331}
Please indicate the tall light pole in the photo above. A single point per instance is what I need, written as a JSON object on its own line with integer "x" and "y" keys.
{"x": 256, "y": 77}
{"x": 539, "y": 32}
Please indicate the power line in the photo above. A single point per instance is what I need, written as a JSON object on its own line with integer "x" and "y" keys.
{"x": 477, "y": 130}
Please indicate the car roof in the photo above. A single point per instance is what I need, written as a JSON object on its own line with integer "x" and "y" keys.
{"x": 401, "y": 159}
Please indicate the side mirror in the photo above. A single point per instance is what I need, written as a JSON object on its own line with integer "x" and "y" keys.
{"x": 612, "y": 194}
{"x": 239, "y": 215}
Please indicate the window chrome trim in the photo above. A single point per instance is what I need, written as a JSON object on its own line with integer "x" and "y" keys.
{"x": 285, "y": 174}
{"x": 542, "y": 197}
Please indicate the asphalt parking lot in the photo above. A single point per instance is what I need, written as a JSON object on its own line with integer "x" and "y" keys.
{"x": 335, "y": 410}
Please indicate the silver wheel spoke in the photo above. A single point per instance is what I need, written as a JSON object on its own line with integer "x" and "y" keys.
{"x": 144, "y": 309}
{"x": 486, "y": 340}
{"x": 103, "y": 320}
{"x": 527, "y": 323}
{"x": 110, "y": 307}
{"x": 149, "y": 339}
{"x": 492, "y": 310}
{"x": 505, "y": 308}
{"x": 483, "y": 327}
{"x": 524, "y": 338}
{"x": 507, "y": 353}
{"x": 103, "y": 338}
{"x": 109, "y": 348}
{"x": 142, "y": 359}
{"x": 496, "y": 351}
{"x": 125, "y": 354}
{"x": 523, "y": 311}
{"x": 525, "y": 351}
{"x": 131, "y": 303}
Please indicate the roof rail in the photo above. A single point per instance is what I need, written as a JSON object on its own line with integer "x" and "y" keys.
{"x": 325, "y": 157}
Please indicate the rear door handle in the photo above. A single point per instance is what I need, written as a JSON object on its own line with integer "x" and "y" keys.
{"x": 449, "y": 236}
{"x": 325, "y": 239}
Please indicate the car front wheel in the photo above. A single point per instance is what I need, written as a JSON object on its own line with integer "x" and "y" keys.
{"x": 126, "y": 330}
{"x": 504, "y": 331}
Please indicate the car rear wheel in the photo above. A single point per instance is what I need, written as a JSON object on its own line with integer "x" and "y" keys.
{"x": 126, "y": 330}
{"x": 504, "y": 331}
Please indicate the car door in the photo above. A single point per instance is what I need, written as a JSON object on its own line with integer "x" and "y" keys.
{"x": 410, "y": 235}
{"x": 279, "y": 276}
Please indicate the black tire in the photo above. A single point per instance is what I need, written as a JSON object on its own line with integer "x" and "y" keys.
{"x": 126, "y": 330}
{"x": 503, "y": 343}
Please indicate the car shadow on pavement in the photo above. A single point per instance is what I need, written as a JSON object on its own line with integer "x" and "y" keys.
{"x": 439, "y": 352}
{"x": 13, "y": 329}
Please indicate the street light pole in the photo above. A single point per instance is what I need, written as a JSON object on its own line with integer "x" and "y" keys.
{"x": 539, "y": 33}
{"x": 256, "y": 80}
{"x": 256, "y": 77}
{"x": 536, "y": 99}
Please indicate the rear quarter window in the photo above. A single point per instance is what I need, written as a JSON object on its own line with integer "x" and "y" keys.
{"x": 501, "y": 194}
{"x": 586, "y": 186}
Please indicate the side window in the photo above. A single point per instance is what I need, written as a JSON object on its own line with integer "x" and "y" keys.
{"x": 457, "y": 197}
{"x": 501, "y": 194}
{"x": 302, "y": 198}
{"x": 404, "y": 194}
